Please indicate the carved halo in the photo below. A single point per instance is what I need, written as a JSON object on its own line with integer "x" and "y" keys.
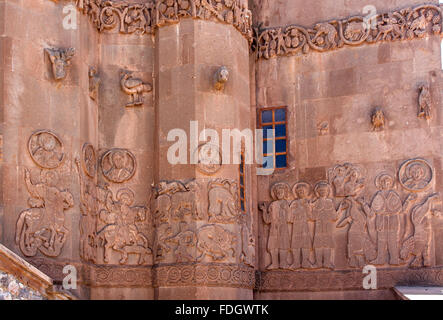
{"x": 108, "y": 166}
{"x": 380, "y": 177}
{"x": 301, "y": 184}
{"x": 320, "y": 184}
{"x": 47, "y": 154}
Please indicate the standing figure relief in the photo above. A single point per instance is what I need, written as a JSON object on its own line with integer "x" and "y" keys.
{"x": 277, "y": 217}
{"x": 384, "y": 231}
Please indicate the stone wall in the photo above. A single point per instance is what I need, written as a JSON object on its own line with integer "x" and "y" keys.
{"x": 86, "y": 117}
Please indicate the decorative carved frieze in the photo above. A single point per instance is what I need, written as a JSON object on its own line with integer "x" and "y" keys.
{"x": 303, "y": 280}
{"x": 144, "y": 18}
{"x": 213, "y": 274}
{"x": 405, "y": 24}
{"x": 393, "y": 228}
{"x": 41, "y": 227}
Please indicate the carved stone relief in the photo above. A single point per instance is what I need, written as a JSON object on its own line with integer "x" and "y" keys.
{"x": 41, "y": 227}
{"x": 277, "y": 217}
{"x": 209, "y": 159}
{"x": 384, "y": 231}
{"x": 192, "y": 229}
{"x": 134, "y": 87}
{"x": 378, "y": 120}
{"x": 220, "y": 78}
{"x": 94, "y": 83}
{"x": 46, "y": 149}
{"x": 408, "y": 23}
{"x": 416, "y": 249}
{"x": 416, "y": 175}
{"x": 424, "y": 103}
{"x": 143, "y": 18}
{"x": 223, "y": 201}
{"x": 118, "y": 165}
{"x": 60, "y": 60}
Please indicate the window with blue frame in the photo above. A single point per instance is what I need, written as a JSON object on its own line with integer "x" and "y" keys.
{"x": 275, "y": 147}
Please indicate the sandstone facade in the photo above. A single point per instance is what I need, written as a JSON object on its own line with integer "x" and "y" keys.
{"x": 95, "y": 94}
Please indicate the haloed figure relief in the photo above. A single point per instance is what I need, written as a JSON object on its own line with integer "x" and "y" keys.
{"x": 301, "y": 213}
{"x": 324, "y": 216}
{"x": 119, "y": 230}
{"x": 277, "y": 216}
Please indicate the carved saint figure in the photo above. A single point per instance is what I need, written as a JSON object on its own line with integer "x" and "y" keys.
{"x": 88, "y": 220}
{"x": 120, "y": 232}
{"x": 247, "y": 252}
{"x": 424, "y": 103}
{"x": 325, "y": 36}
{"x": 60, "y": 60}
{"x": 324, "y": 216}
{"x": 89, "y": 160}
{"x": 46, "y": 149}
{"x": 118, "y": 165}
{"x": 388, "y": 208}
{"x": 94, "y": 83}
{"x": 278, "y": 217}
{"x": 301, "y": 242}
{"x": 42, "y": 227}
{"x": 378, "y": 120}
{"x": 420, "y": 242}
{"x": 220, "y": 78}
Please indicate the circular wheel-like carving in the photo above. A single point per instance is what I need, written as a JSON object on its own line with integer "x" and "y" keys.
{"x": 118, "y": 165}
{"x": 46, "y": 149}
{"x": 416, "y": 175}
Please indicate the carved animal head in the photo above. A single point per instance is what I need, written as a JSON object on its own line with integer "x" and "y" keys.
{"x": 60, "y": 59}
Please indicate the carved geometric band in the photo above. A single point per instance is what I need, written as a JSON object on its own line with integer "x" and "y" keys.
{"x": 405, "y": 24}
{"x": 346, "y": 280}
